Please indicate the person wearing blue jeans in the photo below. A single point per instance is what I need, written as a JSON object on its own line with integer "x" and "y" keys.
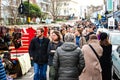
{"x": 38, "y": 53}
{"x": 40, "y": 71}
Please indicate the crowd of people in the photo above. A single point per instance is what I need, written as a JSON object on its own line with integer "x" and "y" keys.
{"x": 72, "y": 53}
{"x": 8, "y": 38}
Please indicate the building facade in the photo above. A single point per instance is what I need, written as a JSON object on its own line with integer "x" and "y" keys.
{"x": 93, "y": 9}
{"x": 116, "y": 5}
{"x": 65, "y": 8}
{"x": 43, "y": 4}
{"x": 115, "y": 12}
{"x": 9, "y": 11}
{"x": 69, "y": 8}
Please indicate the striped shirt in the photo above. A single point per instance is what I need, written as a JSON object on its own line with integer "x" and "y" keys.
{"x": 2, "y": 71}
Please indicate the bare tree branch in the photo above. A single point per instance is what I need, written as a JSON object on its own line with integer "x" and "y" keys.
{"x": 55, "y": 7}
{"x": 13, "y": 9}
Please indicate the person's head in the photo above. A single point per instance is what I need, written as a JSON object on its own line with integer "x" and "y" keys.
{"x": 69, "y": 37}
{"x": 78, "y": 32}
{"x": 87, "y": 23}
{"x": 40, "y": 32}
{"x": 72, "y": 30}
{"x": 93, "y": 37}
{"x": 63, "y": 31}
{"x": 104, "y": 39}
{"x": 56, "y": 36}
{"x": 4, "y": 29}
{"x": 51, "y": 31}
{"x": 68, "y": 29}
{"x": 91, "y": 27}
{"x": 103, "y": 36}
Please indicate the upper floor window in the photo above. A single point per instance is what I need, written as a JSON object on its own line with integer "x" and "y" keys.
{"x": 65, "y": 4}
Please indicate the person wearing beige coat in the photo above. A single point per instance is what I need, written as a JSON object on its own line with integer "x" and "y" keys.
{"x": 92, "y": 70}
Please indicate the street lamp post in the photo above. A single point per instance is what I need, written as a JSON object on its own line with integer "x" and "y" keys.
{"x": 28, "y": 12}
{"x": 113, "y": 9}
{"x": 85, "y": 13}
{"x": 0, "y": 11}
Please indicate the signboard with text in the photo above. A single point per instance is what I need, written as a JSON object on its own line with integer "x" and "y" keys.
{"x": 111, "y": 22}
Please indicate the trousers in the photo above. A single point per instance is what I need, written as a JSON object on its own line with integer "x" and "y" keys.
{"x": 40, "y": 71}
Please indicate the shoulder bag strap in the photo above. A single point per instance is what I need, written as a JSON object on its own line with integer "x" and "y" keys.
{"x": 94, "y": 51}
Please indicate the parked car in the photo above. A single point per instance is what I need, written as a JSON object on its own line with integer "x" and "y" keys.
{"x": 116, "y": 63}
{"x": 114, "y": 38}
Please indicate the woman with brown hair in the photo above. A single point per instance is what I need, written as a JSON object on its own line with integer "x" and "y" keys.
{"x": 55, "y": 42}
{"x": 106, "y": 59}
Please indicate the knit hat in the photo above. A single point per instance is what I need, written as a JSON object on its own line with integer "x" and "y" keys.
{"x": 103, "y": 36}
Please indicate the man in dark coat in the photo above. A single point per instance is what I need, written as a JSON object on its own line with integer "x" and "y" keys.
{"x": 38, "y": 52}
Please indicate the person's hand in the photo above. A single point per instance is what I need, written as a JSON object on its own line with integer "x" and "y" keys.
{"x": 31, "y": 58}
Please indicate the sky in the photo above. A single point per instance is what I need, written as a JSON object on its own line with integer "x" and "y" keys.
{"x": 90, "y": 2}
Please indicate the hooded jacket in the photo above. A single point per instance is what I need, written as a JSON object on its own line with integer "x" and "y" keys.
{"x": 68, "y": 61}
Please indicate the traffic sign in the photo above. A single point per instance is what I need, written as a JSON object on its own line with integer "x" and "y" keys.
{"x": 21, "y": 8}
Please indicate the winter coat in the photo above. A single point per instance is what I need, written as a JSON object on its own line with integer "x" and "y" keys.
{"x": 92, "y": 70}
{"x": 106, "y": 62}
{"x": 38, "y": 50}
{"x": 68, "y": 61}
{"x": 52, "y": 46}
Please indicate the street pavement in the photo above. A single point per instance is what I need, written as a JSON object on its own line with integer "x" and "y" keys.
{"x": 29, "y": 75}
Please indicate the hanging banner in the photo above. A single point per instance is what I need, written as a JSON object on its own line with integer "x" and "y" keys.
{"x": 109, "y": 5}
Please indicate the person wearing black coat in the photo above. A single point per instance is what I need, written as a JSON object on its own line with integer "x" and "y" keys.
{"x": 106, "y": 58}
{"x": 53, "y": 45}
{"x": 38, "y": 52}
